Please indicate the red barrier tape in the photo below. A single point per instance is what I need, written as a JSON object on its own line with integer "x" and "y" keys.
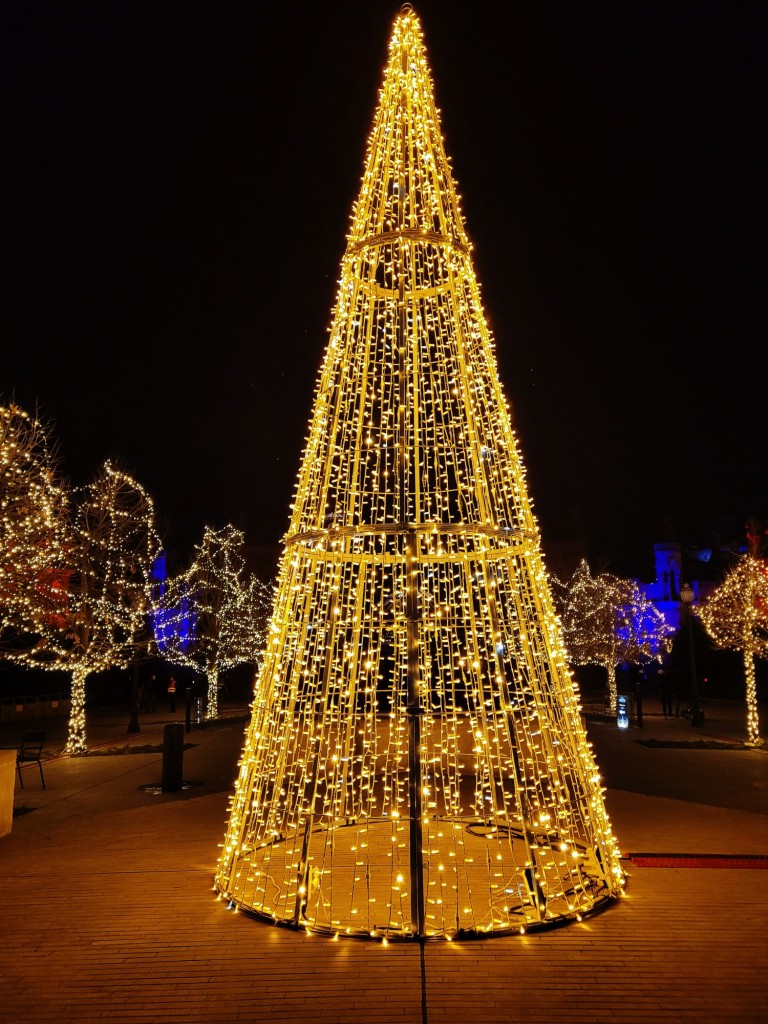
{"x": 697, "y": 860}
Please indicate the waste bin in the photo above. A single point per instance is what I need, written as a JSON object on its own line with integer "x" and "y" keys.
{"x": 173, "y": 756}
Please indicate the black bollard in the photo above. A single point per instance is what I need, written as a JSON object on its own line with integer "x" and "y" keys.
{"x": 173, "y": 756}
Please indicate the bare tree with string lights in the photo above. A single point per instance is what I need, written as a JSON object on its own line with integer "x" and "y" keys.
{"x": 33, "y": 536}
{"x": 735, "y": 616}
{"x": 114, "y": 544}
{"x": 214, "y": 612}
{"x": 75, "y": 572}
{"x": 608, "y": 621}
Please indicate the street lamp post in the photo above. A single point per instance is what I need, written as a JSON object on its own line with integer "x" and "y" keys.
{"x": 697, "y": 712}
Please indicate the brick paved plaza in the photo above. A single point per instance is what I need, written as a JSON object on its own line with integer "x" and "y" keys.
{"x": 109, "y": 915}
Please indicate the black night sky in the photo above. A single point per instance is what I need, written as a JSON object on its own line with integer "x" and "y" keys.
{"x": 179, "y": 177}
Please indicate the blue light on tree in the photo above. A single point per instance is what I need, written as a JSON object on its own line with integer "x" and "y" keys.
{"x": 171, "y": 627}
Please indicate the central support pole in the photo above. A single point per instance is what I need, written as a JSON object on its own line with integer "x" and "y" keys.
{"x": 414, "y": 711}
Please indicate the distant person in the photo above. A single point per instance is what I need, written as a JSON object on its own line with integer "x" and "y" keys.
{"x": 171, "y": 694}
{"x": 666, "y": 692}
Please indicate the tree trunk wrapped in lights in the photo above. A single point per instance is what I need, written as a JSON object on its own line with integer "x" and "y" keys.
{"x": 416, "y": 764}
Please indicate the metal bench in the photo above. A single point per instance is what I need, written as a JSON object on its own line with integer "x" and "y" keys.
{"x": 30, "y": 752}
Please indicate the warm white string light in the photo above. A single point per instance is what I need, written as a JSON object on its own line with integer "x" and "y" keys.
{"x": 416, "y": 763}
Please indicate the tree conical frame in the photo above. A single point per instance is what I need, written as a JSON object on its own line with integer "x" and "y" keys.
{"x": 416, "y": 764}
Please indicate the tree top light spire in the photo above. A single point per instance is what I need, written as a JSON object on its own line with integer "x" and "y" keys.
{"x": 416, "y": 764}
{"x": 407, "y": 186}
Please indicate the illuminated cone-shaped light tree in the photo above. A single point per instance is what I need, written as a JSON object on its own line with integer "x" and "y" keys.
{"x": 736, "y": 617}
{"x": 416, "y": 764}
